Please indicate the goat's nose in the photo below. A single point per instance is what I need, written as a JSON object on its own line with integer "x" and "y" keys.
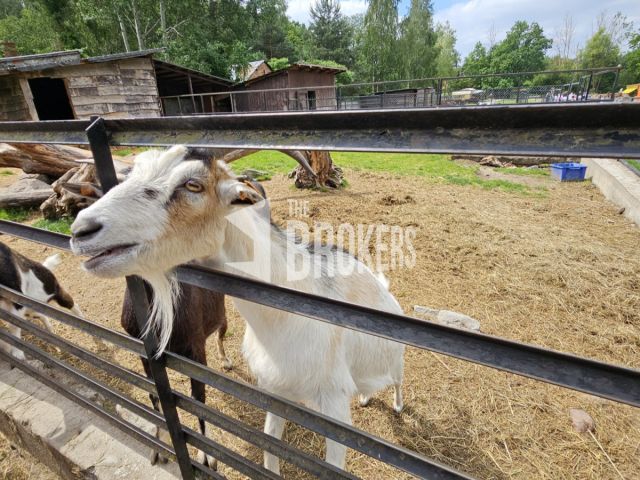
{"x": 85, "y": 229}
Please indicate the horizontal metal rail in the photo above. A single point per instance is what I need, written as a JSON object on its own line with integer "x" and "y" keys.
{"x": 286, "y": 452}
{"x": 227, "y": 456}
{"x": 348, "y": 435}
{"x": 587, "y": 129}
{"x": 117, "y": 338}
{"x": 97, "y": 361}
{"x": 129, "y": 429}
{"x": 585, "y": 375}
{"x": 116, "y": 397}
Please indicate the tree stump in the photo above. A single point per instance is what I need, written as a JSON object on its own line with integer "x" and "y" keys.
{"x": 63, "y": 202}
{"x": 327, "y": 174}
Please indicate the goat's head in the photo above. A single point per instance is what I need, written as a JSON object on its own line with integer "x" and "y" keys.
{"x": 170, "y": 209}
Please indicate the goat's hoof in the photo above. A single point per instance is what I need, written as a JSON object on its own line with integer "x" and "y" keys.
{"x": 363, "y": 400}
{"x": 398, "y": 408}
{"x": 207, "y": 460}
{"x": 153, "y": 458}
{"x": 227, "y": 364}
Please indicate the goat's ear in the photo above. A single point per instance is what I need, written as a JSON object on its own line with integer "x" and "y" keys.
{"x": 86, "y": 190}
{"x": 241, "y": 192}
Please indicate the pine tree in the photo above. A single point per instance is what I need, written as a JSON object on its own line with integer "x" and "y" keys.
{"x": 332, "y": 33}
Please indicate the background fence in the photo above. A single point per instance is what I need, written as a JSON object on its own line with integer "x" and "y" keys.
{"x": 605, "y": 130}
{"x": 557, "y": 86}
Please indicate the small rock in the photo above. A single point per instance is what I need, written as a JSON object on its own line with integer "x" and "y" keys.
{"x": 448, "y": 318}
{"x": 621, "y": 211}
{"x": 582, "y": 421}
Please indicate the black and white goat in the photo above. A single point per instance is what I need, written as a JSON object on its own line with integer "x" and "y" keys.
{"x": 34, "y": 280}
{"x": 177, "y": 206}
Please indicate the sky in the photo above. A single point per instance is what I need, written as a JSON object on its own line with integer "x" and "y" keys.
{"x": 473, "y": 19}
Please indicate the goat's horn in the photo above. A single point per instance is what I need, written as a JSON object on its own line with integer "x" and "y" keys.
{"x": 302, "y": 160}
{"x": 234, "y": 155}
{"x": 297, "y": 155}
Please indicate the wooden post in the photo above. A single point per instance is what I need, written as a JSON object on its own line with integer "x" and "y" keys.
{"x": 193, "y": 100}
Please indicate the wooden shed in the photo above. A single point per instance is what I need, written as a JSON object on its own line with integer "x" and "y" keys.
{"x": 302, "y": 81}
{"x": 63, "y": 85}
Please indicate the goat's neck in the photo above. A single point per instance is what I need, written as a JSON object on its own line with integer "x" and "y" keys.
{"x": 252, "y": 247}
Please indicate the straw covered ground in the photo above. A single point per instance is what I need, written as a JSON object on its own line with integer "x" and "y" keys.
{"x": 556, "y": 266}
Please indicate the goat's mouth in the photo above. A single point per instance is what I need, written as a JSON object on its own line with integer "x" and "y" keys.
{"x": 110, "y": 254}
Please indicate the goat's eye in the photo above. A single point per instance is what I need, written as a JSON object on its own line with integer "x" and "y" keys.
{"x": 193, "y": 186}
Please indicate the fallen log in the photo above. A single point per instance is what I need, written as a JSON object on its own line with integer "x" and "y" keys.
{"x": 51, "y": 160}
{"x": 31, "y": 198}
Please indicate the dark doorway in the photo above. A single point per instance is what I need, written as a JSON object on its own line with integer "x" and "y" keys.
{"x": 311, "y": 97}
{"x": 50, "y": 98}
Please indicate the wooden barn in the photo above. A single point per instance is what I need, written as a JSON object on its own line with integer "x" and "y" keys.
{"x": 63, "y": 85}
{"x": 301, "y": 80}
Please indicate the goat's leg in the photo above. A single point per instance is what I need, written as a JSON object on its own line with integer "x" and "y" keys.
{"x": 16, "y": 332}
{"x": 198, "y": 393}
{"x": 274, "y": 426}
{"x": 335, "y": 406}
{"x": 397, "y": 374}
{"x": 222, "y": 356}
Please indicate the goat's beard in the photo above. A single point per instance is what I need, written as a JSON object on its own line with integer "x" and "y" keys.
{"x": 166, "y": 290}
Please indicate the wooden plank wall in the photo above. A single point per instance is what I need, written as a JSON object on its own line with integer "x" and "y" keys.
{"x": 325, "y": 98}
{"x": 13, "y": 106}
{"x": 264, "y": 101}
{"x": 118, "y": 89}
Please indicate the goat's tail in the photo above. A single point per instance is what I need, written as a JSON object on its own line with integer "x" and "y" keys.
{"x": 52, "y": 262}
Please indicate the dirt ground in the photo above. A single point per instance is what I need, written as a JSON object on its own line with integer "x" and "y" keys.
{"x": 561, "y": 271}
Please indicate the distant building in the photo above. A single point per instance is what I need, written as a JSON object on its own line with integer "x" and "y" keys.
{"x": 63, "y": 85}
{"x": 300, "y": 78}
{"x": 252, "y": 70}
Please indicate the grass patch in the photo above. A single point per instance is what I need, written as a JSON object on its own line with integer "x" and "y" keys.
{"x": 124, "y": 151}
{"x": 62, "y": 225}
{"x": 635, "y": 164}
{"x": 16, "y": 214}
{"x": 7, "y": 173}
{"x": 434, "y": 167}
{"x": 539, "y": 172}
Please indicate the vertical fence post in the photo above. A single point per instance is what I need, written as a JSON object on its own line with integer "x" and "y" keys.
{"x": 439, "y": 91}
{"x": 99, "y": 142}
{"x": 586, "y": 95}
{"x": 615, "y": 82}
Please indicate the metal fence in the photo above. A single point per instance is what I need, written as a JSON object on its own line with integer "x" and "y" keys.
{"x": 551, "y": 86}
{"x": 604, "y": 130}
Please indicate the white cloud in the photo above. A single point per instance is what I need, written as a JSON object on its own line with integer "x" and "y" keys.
{"x": 472, "y": 19}
{"x": 299, "y": 9}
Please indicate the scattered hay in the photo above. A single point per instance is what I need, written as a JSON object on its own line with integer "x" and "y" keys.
{"x": 562, "y": 271}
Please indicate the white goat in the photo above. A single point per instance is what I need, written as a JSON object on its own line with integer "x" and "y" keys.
{"x": 175, "y": 207}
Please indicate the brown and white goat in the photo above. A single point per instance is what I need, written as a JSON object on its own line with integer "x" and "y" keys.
{"x": 175, "y": 207}
{"x": 198, "y": 314}
{"x": 34, "y": 280}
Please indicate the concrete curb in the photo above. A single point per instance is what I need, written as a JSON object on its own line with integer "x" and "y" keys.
{"x": 617, "y": 183}
{"x": 73, "y": 442}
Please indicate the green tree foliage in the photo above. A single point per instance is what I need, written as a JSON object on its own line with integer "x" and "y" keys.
{"x": 522, "y": 50}
{"x": 631, "y": 61}
{"x": 378, "y": 42}
{"x": 417, "y": 43}
{"x": 33, "y": 30}
{"x": 600, "y": 51}
{"x": 447, "y": 59}
{"x": 269, "y": 27}
{"x": 332, "y": 32}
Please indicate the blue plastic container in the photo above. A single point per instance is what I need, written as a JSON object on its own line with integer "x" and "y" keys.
{"x": 568, "y": 172}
